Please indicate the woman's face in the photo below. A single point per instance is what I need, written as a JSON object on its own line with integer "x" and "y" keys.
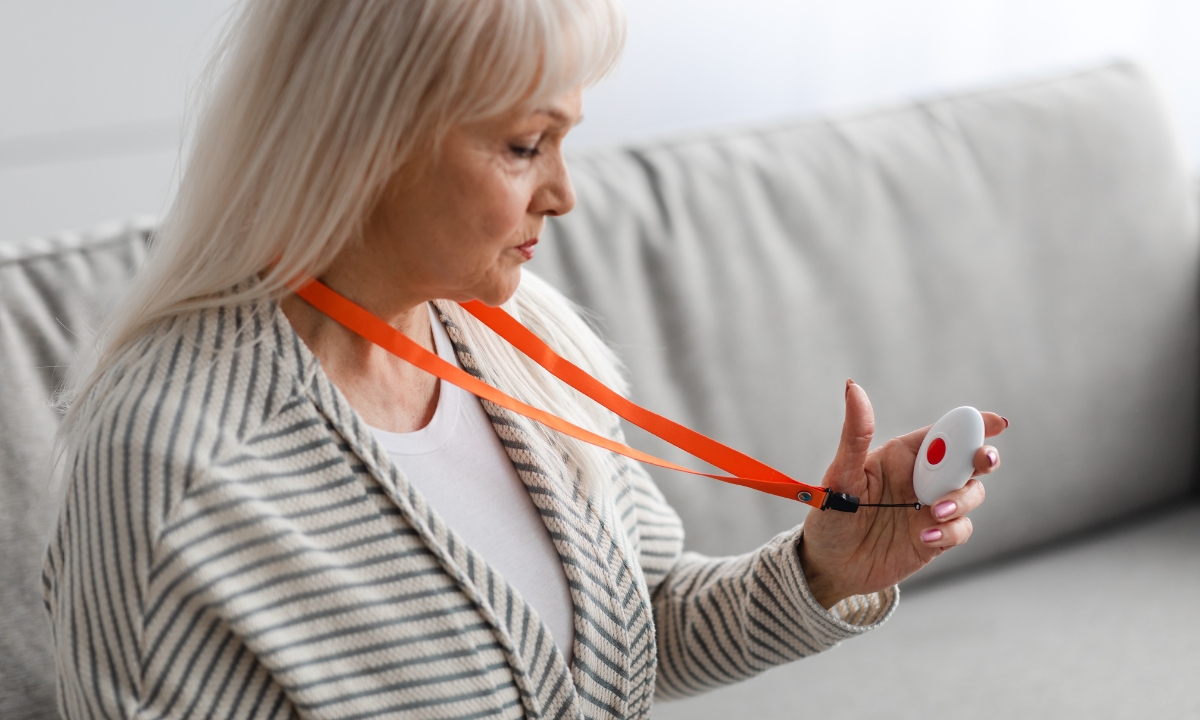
{"x": 461, "y": 226}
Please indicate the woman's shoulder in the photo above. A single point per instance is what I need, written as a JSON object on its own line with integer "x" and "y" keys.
{"x": 179, "y": 358}
{"x": 190, "y": 390}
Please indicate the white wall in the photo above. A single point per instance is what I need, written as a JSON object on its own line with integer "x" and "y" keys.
{"x": 91, "y": 93}
{"x": 692, "y": 63}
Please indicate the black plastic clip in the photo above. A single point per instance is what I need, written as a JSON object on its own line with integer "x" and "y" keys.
{"x": 840, "y": 502}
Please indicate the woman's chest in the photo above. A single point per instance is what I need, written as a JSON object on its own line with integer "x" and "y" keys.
{"x": 358, "y": 597}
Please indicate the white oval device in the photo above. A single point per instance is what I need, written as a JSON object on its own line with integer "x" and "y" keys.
{"x": 946, "y": 460}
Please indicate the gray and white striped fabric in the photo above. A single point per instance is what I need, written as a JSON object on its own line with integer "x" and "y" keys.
{"x": 234, "y": 544}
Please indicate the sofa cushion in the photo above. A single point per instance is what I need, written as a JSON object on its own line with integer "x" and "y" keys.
{"x": 1101, "y": 627}
{"x": 1030, "y": 250}
{"x": 52, "y": 292}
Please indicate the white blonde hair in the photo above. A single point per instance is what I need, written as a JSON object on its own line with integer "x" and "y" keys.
{"x": 308, "y": 109}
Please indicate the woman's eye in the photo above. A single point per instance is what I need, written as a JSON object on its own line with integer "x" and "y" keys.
{"x": 523, "y": 152}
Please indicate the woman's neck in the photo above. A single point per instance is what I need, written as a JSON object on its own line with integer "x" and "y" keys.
{"x": 389, "y": 393}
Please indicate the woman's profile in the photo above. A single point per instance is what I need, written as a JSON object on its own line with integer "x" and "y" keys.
{"x": 267, "y": 516}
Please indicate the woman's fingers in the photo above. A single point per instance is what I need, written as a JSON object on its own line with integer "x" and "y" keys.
{"x": 953, "y": 526}
{"x": 950, "y": 512}
{"x": 993, "y": 424}
{"x": 987, "y": 459}
{"x": 960, "y": 502}
{"x": 947, "y": 534}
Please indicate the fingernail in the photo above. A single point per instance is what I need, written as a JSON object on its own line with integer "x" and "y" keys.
{"x": 849, "y": 382}
{"x": 1005, "y": 421}
{"x": 993, "y": 458}
{"x": 931, "y": 535}
{"x": 944, "y": 510}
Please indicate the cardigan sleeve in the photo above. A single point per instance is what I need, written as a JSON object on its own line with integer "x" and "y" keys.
{"x": 721, "y": 620}
{"x": 137, "y": 632}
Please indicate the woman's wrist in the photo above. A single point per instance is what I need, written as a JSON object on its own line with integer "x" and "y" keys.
{"x": 820, "y": 583}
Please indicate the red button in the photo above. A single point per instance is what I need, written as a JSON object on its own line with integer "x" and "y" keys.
{"x": 936, "y": 452}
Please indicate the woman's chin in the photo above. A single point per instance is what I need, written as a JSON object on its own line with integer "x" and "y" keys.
{"x": 499, "y": 293}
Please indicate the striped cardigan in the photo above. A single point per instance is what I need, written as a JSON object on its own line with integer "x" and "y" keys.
{"x": 235, "y": 544}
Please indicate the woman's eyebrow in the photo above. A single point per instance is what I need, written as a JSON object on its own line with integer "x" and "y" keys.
{"x": 558, "y": 115}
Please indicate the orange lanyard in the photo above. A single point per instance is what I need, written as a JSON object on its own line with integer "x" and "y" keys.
{"x": 745, "y": 470}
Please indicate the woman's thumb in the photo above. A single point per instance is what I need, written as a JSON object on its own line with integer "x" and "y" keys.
{"x": 857, "y": 430}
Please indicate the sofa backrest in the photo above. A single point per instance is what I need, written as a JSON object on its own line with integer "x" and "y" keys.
{"x": 1030, "y": 250}
{"x": 52, "y": 293}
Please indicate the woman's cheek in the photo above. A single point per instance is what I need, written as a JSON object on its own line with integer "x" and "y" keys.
{"x": 504, "y": 227}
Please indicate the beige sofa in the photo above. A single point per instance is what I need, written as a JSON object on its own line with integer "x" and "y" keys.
{"x": 1031, "y": 250}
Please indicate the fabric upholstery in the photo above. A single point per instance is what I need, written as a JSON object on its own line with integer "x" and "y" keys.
{"x": 1103, "y": 626}
{"x": 1029, "y": 250}
{"x": 52, "y": 292}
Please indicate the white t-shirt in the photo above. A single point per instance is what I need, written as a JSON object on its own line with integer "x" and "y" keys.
{"x": 459, "y": 466}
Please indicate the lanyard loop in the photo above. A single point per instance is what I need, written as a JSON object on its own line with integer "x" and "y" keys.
{"x": 744, "y": 470}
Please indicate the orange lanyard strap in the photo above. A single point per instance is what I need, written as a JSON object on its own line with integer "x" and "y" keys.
{"x": 745, "y": 470}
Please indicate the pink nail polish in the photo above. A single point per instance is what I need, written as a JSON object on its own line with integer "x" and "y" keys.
{"x": 993, "y": 458}
{"x": 943, "y": 510}
{"x": 931, "y": 535}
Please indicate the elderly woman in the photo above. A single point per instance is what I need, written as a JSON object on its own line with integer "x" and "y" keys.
{"x": 268, "y": 516}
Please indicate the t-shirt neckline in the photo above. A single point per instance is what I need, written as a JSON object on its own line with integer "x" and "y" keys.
{"x": 445, "y": 417}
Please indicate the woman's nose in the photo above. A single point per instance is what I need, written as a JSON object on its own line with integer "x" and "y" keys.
{"x": 556, "y": 194}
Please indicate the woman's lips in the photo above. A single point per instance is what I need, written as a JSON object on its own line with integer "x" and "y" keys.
{"x": 526, "y": 249}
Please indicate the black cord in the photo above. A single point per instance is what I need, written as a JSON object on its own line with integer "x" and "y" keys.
{"x": 842, "y": 502}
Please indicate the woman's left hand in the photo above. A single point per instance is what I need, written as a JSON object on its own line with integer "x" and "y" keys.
{"x": 846, "y": 554}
